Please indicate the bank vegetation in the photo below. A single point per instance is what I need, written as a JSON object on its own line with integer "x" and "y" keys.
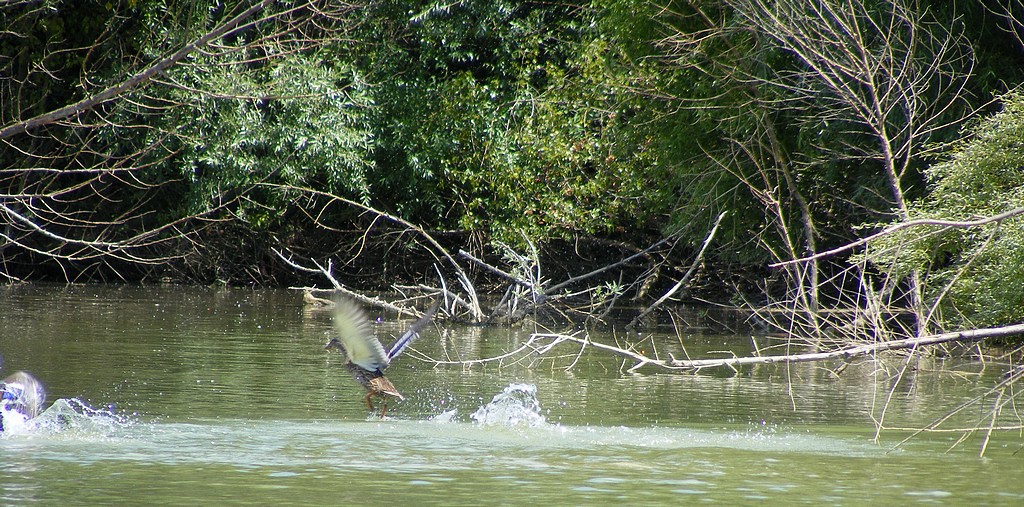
{"x": 848, "y": 171}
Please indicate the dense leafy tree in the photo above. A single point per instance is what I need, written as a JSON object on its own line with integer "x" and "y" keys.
{"x": 504, "y": 116}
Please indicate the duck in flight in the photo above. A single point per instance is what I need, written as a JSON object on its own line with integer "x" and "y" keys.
{"x": 365, "y": 357}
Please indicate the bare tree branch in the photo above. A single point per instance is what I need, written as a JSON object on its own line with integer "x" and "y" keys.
{"x": 686, "y": 277}
{"x": 843, "y": 353}
{"x": 133, "y": 81}
{"x": 959, "y": 224}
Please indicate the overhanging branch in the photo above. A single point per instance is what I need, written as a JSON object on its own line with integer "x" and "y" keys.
{"x": 958, "y": 224}
{"x": 133, "y": 81}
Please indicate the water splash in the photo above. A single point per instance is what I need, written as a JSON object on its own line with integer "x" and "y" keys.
{"x": 445, "y": 417}
{"x": 13, "y": 420}
{"x": 516, "y": 405}
{"x": 69, "y": 417}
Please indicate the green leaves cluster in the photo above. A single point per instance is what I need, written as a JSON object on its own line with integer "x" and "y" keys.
{"x": 220, "y": 131}
{"x": 507, "y": 117}
{"x": 299, "y": 122}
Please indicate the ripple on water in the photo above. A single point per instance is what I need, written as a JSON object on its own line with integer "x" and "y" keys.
{"x": 504, "y": 443}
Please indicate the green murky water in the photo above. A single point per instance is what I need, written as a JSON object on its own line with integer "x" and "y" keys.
{"x": 171, "y": 395}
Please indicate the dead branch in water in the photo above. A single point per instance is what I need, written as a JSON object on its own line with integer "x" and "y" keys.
{"x": 470, "y": 303}
{"x": 1002, "y": 398}
{"x": 539, "y": 346}
{"x": 528, "y": 291}
{"x": 532, "y": 347}
{"x": 674, "y": 364}
{"x": 327, "y": 272}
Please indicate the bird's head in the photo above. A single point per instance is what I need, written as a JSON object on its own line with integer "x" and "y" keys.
{"x": 335, "y": 344}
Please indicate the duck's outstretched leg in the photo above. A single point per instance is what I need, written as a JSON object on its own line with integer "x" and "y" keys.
{"x": 383, "y": 407}
{"x": 369, "y": 404}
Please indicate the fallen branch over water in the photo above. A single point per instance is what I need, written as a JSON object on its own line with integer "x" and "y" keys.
{"x": 733, "y": 362}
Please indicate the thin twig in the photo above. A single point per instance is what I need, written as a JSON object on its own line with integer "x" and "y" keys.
{"x": 686, "y": 277}
{"x": 614, "y": 265}
{"x": 904, "y": 225}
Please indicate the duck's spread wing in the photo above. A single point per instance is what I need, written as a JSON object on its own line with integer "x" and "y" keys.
{"x": 23, "y": 393}
{"x": 355, "y": 333}
{"x": 411, "y": 334}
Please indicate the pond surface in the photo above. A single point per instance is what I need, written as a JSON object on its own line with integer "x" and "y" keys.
{"x": 174, "y": 395}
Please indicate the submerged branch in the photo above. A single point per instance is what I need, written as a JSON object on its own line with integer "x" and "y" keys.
{"x": 999, "y": 390}
{"x": 845, "y": 353}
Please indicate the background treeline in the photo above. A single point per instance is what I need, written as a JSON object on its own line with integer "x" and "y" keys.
{"x": 147, "y": 139}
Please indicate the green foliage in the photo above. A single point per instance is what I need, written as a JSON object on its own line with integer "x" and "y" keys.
{"x": 298, "y": 123}
{"x": 519, "y": 119}
{"x": 982, "y": 267}
{"x": 508, "y": 117}
{"x": 558, "y": 160}
{"x": 716, "y": 112}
